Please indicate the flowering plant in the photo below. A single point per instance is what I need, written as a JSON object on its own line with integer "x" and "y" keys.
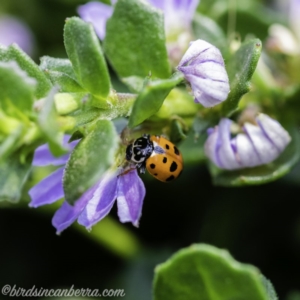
{"x": 133, "y": 63}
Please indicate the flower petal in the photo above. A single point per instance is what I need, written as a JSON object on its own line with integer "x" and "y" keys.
{"x": 67, "y": 214}
{"x": 48, "y": 190}
{"x": 13, "y": 30}
{"x": 210, "y": 146}
{"x": 225, "y": 152}
{"x": 257, "y": 145}
{"x": 203, "y": 67}
{"x": 217, "y": 90}
{"x": 274, "y": 131}
{"x": 131, "y": 194}
{"x": 246, "y": 154}
{"x": 205, "y": 100}
{"x": 96, "y": 13}
{"x": 196, "y": 49}
{"x": 101, "y": 201}
{"x": 175, "y": 10}
{"x": 294, "y": 11}
{"x": 44, "y": 157}
{"x": 265, "y": 150}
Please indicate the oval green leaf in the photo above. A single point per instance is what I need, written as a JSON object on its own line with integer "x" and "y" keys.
{"x": 17, "y": 90}
{"x": 13, "y": 175}
{"x": 61, "y": 73}
{"x": 61, "y": 65}
{"x": 93, "y": 155}
{"x": 66, "y": 83}
{"x": 85, "y": 53}
{"x": 135, "y": 41}
{"x": 151, "y": 98}
{"x": 207, "y": 273}
{"x": 14, "y": 53}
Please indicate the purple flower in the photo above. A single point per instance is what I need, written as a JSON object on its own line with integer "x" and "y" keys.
{"x": 175, "y": 10}
{"x": 178, "y": 33}
{"x": 257, "y": 145}
{"x": 294, "y": 11}
{"x": 203, "y": 67}
{"x": 96, "y": 202}
{"x": 13, "y": 30}
{"x": 96, "y": 13}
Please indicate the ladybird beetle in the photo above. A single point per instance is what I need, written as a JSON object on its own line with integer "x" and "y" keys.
{"x": 159, "y": 156}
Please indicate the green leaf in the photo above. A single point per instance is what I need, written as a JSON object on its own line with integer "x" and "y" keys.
{"x": 241, "y": 67}
{"x": 48, "y": 124}
{"x": 11, "y": 142}
{"x": 61, "y": 73}
{"x": 93, "y": 155}
{"x": 14, "y": 53}
{"x": 135, "y": 41}
{"x": 177, "y": 132}
{"x": 179, "y": 102}
{"x": 61, "y": 65}
{"x": 262, "y": 174}
{"x": 85, "y": 53}
{"x": 269, "y": 288}
{"x": 151, "y": 98}
{"x": 17, "y": 90}
{"x": 134, "y": 83}
{"x": 13, "y": 175}
{"x": 207, "y": 273}
{"x": 65, "y": 82}
{"x": 207, "y": 29}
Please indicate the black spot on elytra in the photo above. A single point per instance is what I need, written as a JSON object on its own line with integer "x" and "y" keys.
{"x": 155, "y": 174}
{"x": 173, "y": 167}
{"x": 172, "y": 177}
{"x": 167, "y": 146}
{"x": 165, "y": 160}
{"x": 152, "y": 166}
{"x": 176, "y": 150}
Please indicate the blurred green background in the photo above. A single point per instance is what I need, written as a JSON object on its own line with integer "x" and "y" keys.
{"x": 259, "y": 225}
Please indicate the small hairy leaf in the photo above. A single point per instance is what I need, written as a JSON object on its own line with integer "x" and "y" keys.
{"x": 241, "y": 67}
{"x": 61, "y": 73}
{"x": 135, "y": 41}
{"x": 269, "y": 288}
{"x": 151, "y": 98}
{"x": 65, "y": 82}
{"x": 207, "y": 273}
{"x": 17, "y": 90}
{"x": 62, "y": 65}
{"x": 177, "y": 132}
{"x": 93, "y": 155}
{"x": 48, "y": 124}
{"x": 11, "y": 142}
{"x": 85, "y": 53}
{"x": 14, "y": 53}
{"x": 13, "y": 175}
